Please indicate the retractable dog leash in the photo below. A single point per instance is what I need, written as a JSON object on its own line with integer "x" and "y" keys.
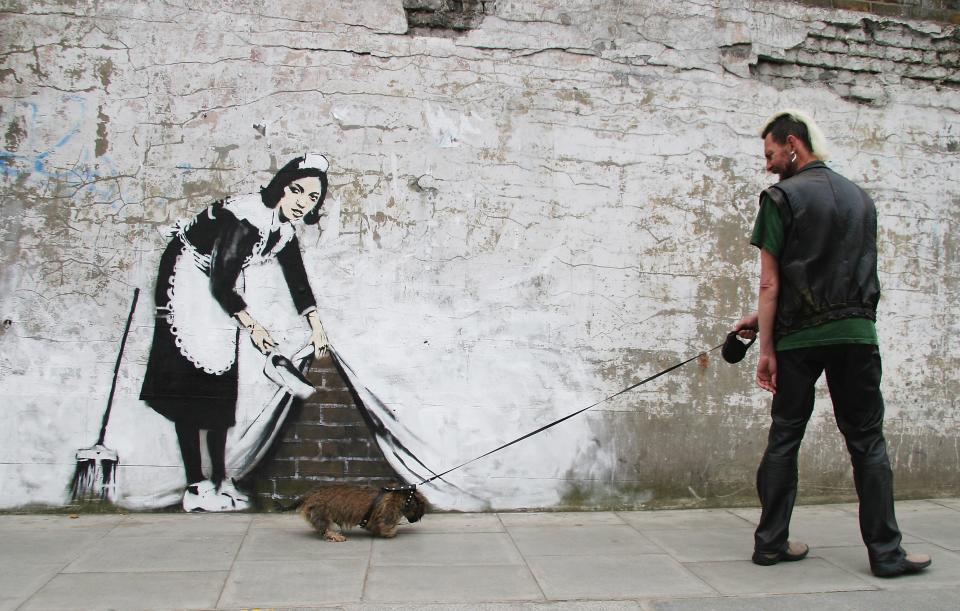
{"x": 733, "y": 351}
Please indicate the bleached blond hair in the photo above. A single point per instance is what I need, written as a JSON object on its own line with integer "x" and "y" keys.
{"x": 817, "y": 141}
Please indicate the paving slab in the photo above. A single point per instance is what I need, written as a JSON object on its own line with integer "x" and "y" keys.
{"x": 286, "y": 520}
{"x": 915, "y": 505}
{"x": 932, "y": 523}
{"x": 614, "y": 577}
{"x": 558, "y": 518}
{"x": 944, "y": 572}
{"x": 430, "y": 549}
{"x": 173, "y": 552}
{"x": 826, "y": 526}
{"x": 186, "y": 524}
{"x": 836, "y": 525}
{"x": 809, "y": 575}
{"x": 129, "y": 591}
{"x": 703, "y": 544}
{"x": 516, "y": 605}
{"x": 59, "y": 522}
{"x": 46, "y": 546}
{"x": 457, "y": 522}
{"x": 445, "y": 583}
{"x": 19, "y": 581}
{"x": 274, "y": 584}
{"x": 674, "y": 519}
{"x": 614, "y": 539}
{"x": 951, "y": 503}
{"x": 937, "y": 600}
{"x": 303, "y": 545}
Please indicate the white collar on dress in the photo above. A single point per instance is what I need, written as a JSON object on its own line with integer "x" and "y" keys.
{"x": 250, "y": 208}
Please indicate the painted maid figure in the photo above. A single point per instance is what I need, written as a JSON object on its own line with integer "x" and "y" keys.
{"x": 192, "y": 374}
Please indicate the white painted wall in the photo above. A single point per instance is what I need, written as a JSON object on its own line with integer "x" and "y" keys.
{"x": 522, "y": 220}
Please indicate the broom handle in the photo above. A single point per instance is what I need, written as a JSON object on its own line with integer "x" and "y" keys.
{"x": 116, "y": 369}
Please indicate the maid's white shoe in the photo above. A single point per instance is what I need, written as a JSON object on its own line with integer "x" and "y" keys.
{"x": 206, "y": 496}
{"x": 203, "y": 496}
{"x": 228, "y": 487}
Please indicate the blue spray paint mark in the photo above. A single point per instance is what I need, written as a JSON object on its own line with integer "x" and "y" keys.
{"x": 83, "y": 175}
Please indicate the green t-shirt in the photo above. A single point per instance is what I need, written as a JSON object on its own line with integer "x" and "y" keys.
{"x": 768, "y": 235}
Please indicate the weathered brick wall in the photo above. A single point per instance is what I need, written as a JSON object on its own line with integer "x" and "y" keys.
{"x": 324, "y": 440}
{"x": 936, "y": 10}
{"x": 445, "y": 16}
{"x": 855, "y": 60}
{"x": 533, "y": 204}
{"x": 458, "y": 15}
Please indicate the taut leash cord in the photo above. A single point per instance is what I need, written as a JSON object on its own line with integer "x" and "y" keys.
{"x": 568, "y": 416}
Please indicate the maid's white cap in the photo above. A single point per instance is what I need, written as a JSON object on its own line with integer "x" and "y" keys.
{"x": 316, "y": 161}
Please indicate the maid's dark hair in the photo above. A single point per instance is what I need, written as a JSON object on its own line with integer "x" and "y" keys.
{"x": 272, "y": 193}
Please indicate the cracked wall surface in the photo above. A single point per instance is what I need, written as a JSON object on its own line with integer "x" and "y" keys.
{"x": 524, "y": 217}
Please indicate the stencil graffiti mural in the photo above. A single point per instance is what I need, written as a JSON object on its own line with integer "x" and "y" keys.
{"x": 192, "y": 373}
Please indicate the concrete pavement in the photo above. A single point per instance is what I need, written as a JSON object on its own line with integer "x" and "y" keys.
{"x": 652, "y": 560}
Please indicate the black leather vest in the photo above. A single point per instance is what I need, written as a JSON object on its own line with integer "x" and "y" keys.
{"x": 828, "y": 265}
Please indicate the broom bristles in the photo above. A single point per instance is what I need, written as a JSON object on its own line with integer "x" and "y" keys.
{"x": 94, "y": 479}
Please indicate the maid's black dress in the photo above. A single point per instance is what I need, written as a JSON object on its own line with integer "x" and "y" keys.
{"x": 191, "y": 374}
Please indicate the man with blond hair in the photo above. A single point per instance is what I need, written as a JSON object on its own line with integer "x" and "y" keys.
{"x": 816, "y": 313}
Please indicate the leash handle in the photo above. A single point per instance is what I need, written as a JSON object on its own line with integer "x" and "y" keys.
{"x": 568, "y": 416}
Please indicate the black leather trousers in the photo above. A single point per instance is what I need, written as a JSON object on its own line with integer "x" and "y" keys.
{"x": 853, "y": 378}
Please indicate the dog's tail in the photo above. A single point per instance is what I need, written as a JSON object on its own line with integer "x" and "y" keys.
{"x": 284, "y": 508}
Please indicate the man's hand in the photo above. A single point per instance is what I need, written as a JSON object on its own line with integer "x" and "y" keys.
{"x": 747, "y": 326}
{"x": 767, "y": 372}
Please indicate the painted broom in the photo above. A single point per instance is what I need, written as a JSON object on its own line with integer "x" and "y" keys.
{"x": 94, "y": 479}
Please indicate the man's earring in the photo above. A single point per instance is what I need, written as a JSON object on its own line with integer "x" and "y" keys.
{"x": 793, "y": 156}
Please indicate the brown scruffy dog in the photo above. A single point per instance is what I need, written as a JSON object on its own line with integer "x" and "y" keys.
{"x": 377, "y": 510}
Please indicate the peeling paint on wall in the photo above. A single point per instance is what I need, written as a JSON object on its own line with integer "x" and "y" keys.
{"x": 858, "y": 61}
{"x": 523, "y": 217}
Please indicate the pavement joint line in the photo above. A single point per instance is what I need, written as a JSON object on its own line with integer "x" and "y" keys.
{"x": 233, "y": 561}
{"x": 526, "y": 562}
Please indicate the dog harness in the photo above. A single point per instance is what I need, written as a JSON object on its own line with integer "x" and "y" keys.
{"x": 410, "y": 489}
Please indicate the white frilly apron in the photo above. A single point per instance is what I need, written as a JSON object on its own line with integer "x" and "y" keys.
{"x": 203, "y": 331}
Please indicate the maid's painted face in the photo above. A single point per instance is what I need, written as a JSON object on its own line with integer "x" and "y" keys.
{"x": 299, "y": 197}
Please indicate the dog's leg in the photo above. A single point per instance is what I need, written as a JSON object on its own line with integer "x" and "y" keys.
{"x": 331, "y": 535}
{"x": 387, "y": 530}
{"x": 324, "y": 526}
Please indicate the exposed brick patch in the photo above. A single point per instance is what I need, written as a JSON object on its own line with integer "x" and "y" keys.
{"x": 858, "y": 61}
{"x": 324, "y": 440}
{"x": 445, "y": 17}
{"x": 945, "y": 11}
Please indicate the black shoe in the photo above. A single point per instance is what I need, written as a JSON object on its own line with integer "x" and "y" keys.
{"x": 795, "y": 551}
{"x": 911, "y": 563}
